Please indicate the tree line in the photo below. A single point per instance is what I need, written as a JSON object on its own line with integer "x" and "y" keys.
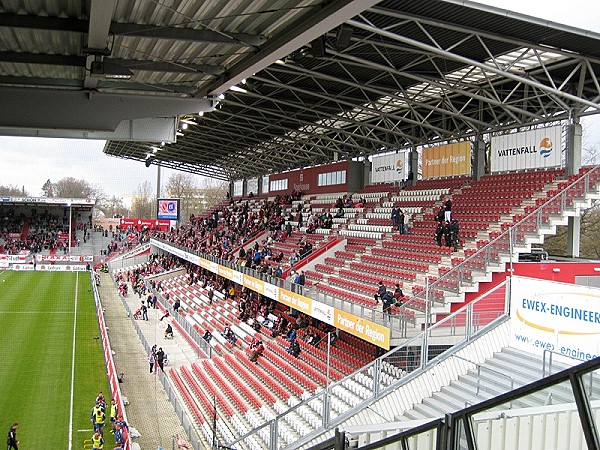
{"x": 194, "y": 198}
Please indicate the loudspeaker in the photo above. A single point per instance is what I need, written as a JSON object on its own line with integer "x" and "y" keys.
{"x": 342, "y": 39}
{"x": 318, "y": 47}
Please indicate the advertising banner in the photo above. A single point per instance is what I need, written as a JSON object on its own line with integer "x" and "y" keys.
{"x": 357, "y": 326}
{"x": 562, "y": 318}
{"x": 390, "y": 168}
{"x": 296, "y": 301}
{"x": 369, "y": 331}
{"x": 447, "y": 160}
{"x": 533, "y": 149}
{"x": 252, "y": 186}
{"x": 11, "y": 259}
{"x": 65, "y": 258}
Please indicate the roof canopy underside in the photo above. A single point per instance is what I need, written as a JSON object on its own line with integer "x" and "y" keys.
{"x": 398, "y": 74}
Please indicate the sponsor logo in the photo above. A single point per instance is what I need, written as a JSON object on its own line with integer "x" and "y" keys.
{"x": 546, "y": 147}
{"x": 399, "y": 167}
{"x": 302, "y": 187}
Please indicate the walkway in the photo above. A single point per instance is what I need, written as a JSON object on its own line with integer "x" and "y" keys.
{"x": 149, "y": 409}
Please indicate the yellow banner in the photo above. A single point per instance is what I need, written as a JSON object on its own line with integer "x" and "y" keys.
{"x": 226, "y": 272}
{"x": 296, "y": 301}
{"x": 362, "y": 328}
{"x": 254, "y": 283}
{"x": 447, "y": 160}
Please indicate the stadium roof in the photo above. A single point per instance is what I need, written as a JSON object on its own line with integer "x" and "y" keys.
{"x": 305, "y": 82}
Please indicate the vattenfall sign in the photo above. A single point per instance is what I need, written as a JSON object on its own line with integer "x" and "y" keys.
{"x": 533, "y": 149}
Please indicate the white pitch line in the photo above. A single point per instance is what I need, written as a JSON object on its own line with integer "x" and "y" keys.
{"x": 56, "y": 313}
{"x": 73, "y": 364}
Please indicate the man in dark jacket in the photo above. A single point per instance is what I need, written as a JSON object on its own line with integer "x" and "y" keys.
{"x": 11, "y": 440}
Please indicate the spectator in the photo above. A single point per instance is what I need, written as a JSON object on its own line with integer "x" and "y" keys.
{"x": 381, "y": 290}
{"x": 256, "y": 349}
{"x": 160, "y": 359}
{"x": 294, "y": 348}
{"x": 448, "y": 210}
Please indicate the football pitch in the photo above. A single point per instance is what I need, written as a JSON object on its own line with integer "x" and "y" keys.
{"x": 51, "y": 363}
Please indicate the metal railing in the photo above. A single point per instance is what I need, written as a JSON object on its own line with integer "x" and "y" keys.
{"x": 501, "y": 249}
{"x": 378, "y": 378}
{"x": 459, "y": 430}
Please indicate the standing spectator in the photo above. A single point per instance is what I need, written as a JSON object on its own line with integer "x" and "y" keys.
{"x": 176, "y": 305}
{"x": 448, "y": 210}
{"x": 160, "y": 358}
{"x": 401, "y": 221}
{"x": 152, "y": 358}
{"x": 381, "y": 290}
{"x": 398, "y": 295}
{"x": 440, "y": 215}
{"x": 11, "y": 440}
{"x": 144, "y": 311}
{"x": 301, "y": 278}
{"x": 439, "y": 232}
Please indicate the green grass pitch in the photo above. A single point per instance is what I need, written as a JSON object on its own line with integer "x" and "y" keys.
{"x": 37, "y": 323}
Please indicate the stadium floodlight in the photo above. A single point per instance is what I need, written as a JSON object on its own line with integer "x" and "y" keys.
{"x": 221, "y": 96}
{"x": 110, "y": 70}
{"x": 238, "y": 89}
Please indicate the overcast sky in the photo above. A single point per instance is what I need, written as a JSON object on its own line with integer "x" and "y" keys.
{"x": 29, "y": 162}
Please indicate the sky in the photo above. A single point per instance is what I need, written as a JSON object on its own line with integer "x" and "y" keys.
{"x": 83, "y": 159}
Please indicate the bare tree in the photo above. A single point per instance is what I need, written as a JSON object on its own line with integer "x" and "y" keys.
{"x": 13, "y": 191}
{"x": 589, "y": 244}
{"x": 70, "y": 187}
{"x": 213, "y": 191}
{"x": 113, "y": 206}
{"x": 143, "y": 201}
{"x": 183, "y": 186}
{"x": 48, "y": 189}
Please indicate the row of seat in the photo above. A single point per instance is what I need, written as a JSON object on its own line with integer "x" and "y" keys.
{"x": 384, "y": 271}
{"x": 387, "y": 257}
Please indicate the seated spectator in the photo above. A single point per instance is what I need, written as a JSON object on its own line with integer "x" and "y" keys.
{"x": 229, "y": 335}
{"x": 169, "y": 332}
{"x": 207, "y": 336}
{"x": 291, "y": 333}
{"x": 256, "y": 349}
{"x": 294, "y": 348}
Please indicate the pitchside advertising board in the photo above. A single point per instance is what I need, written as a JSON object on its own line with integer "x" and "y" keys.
{"x": 559, "y": 317}
{"x": 447, "y": 160}
{"x": 535, "y": 149}
{"x": 390, "y": 168}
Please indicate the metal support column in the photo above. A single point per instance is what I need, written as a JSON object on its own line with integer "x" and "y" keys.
{"x": 573, "y": 165}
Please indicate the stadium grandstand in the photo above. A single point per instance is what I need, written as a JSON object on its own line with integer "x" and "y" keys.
{"x": 374, "y": 276}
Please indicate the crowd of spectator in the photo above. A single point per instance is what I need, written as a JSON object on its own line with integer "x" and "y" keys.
{"x": 36, "y": 233}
